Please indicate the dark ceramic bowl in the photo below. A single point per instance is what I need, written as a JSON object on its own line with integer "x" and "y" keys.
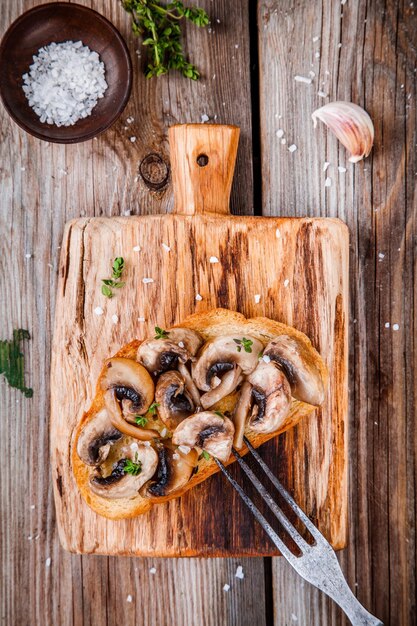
{"x": 62, "y": 21}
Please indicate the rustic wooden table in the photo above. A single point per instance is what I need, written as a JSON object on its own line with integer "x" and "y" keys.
{"x": 354, "y": 50}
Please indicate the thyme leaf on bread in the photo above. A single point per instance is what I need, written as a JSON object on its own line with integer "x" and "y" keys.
{"x": 114, "y": 282}
{"x": 159, "y": 26}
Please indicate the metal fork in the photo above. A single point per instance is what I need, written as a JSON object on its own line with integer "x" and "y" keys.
{"x": 317, "y": 563}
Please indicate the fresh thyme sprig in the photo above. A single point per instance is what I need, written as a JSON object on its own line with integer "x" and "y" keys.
{"x": 140, "y": 420}
{"x": 159, "y": 26}
{"x": 153, "y": 409}
{"x": 114, "y": 282}
{"x": 243, "y": 343}
{"x": 132, "y": 468}
{"x": 160, "y": 333}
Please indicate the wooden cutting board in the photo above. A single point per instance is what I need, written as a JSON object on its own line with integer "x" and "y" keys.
{"x": 296, "y": 268}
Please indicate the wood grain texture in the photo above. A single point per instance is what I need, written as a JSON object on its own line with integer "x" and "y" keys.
{"x": 364, "y": 52}
{"x": 43, "y": 186}
{"x": 298, "y": 274}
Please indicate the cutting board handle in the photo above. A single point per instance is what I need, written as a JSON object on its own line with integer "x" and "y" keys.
{"x": 203, "y": 162}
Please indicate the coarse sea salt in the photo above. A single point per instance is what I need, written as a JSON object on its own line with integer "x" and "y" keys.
{"x": 64, "y": 82}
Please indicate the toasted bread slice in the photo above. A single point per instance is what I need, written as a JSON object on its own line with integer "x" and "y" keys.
{"x": 210, "y": 324}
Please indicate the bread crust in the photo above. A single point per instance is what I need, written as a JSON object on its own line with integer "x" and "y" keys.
{"x": 209, "y": 324}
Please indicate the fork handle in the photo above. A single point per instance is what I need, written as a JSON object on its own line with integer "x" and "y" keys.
{"x": 354, "y": 610}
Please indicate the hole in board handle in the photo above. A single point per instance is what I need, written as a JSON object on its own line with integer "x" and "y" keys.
{"x": 202, "y": 160}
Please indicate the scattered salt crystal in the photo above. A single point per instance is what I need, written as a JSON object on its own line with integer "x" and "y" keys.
{"x": 328, "y": 182}
{"x": 341, "y": 169}
{"x": 152, "y": 570}
{"x": 146, "y": 281}
{"x": 286, "y": 282}
{"x": 292, "y": 147}
{"x": 280, "y": 133}
{"x": 339, "y": 45}
{"x": 23, "y": 169}
{"x": 283, "y": 141}
{"x": 266, "y": 358}
{"x": 62, "y": 171}
{"x": 214, "y": 259}
{"x": 32, "y": 506}
{"x": 181, "y": 344}
{"x": 204, "y": 118}
{"x": 198, "y": 297}
{"x": 239, "y": 572}
{"x": 322, "y": 94}
{"x": 114, "y": 318}
{"x": 130, "y": 120}
{"x": 64, "y": 82}
{"x": 317, "y": 55}
{"x": 257, "y": 298}
{"x": 176, "y": 456}
{"x": 315, "y": 39}
{"x": 98, "y": 310}
{"x": 226, "y": 587}
{"x": 141, "y": 319}
{"x": 136, "y": 248}
{"x": 343, "y": 1}
{"x": 387, "y": 324}
{"x": 164, "y": 432}
{"x": 28, "y": 256}
{"x": 303, "y": 79}
{"x": 127, "y": 212}
{"x": 132, "y": 139}
{"x": 147, "y": 444}
{"x": 311, "y": 74}
{"x": 217, "y": 20}
{"x": 236, "y": 46}
{"x": 395, "y": 327}
{"x": 184, "y": 449}
{"x": 381, "y": 255}
{"x": 294, "y": 617}
{"x": 277, "y": 233}
{"x": 29, "y": 537}
{"x": 326, "y": 165}
{"x": 129, "y": 598}
{"x": 165, "y": 247}
{"x": 48, "y": 562}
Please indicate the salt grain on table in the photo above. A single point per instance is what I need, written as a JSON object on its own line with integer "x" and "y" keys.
{"x": 98, "y": 310}
{"x": 226, "y": 587}
{"x": 292, "y": 147}
{"x": 64, "y": 82}
{"x": 198, "y": 297}
{"x": 303, "y": 79}
{"x": 239, "y": 572}
{"x": 152, "y": 570}
{"x": 328, "y": 182}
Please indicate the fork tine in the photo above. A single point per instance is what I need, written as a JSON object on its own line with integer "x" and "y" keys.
{"x": 297, "y": 510}
{"x": 266, "y": 496}
{"x": 258, "y": 515}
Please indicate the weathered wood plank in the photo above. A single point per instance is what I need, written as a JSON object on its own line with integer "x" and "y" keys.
{"x": 367, "y": 55}
{"x": 101, "y": 177}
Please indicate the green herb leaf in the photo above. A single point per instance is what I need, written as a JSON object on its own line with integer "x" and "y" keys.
{"x": 206, "y": 455}
{"x": 132, "y": 468}
{"x": 114, "y": 282}
{"x": 220, "y": 414}
{"x": 160, "y": 333}
{"x": 152, "y": 409}
{"x": 12, "y": 361}
{"x": 247, "y": 343}
{"x": 106, "y": 291}
{"x": 140, "y": 420}
{"x": 159, "y": 26}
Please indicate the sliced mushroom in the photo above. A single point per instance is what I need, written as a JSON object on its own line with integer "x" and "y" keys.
{"x": 240, "y": 417}
{"x": 227, "y": 384}
{"x": 174, "y": 471}
{"x": 118, "y": 421}
{"x": 218, "y": 357}
{"x": 132, "y": 384}
{"x": 160, "y": 355}
{"x": 298, "y": 366}
{"x": 96, "y": 439}
{"x": 175, "y": 403}
{"x": 271, "y": 398}
{"x": 120, "y": 484}
{"x": 189, "y": 383}
{"x": 208, "y": 431}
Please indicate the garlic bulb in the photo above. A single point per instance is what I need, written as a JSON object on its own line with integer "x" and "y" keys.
{"x": 351, "y": 124}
